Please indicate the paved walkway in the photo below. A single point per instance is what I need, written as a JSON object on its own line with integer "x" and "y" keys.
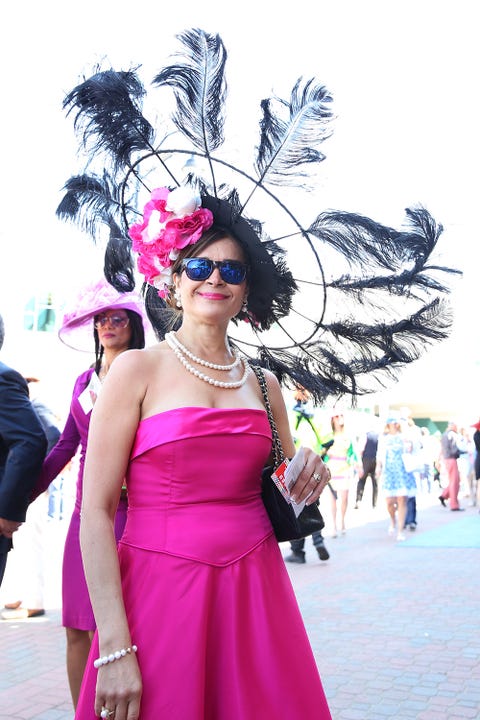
{"x": 394, "y": 626}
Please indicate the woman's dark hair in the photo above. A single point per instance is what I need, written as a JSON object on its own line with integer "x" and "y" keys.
{"x": 137, "y": 337}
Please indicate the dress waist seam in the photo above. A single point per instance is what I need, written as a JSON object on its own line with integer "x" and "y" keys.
{"x": 196, "y": 558}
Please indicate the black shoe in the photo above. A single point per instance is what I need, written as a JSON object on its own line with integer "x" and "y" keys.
{"x": 296, "y": 557}
{"x": 442, "y": 500}
{"x": 413, "y": 526}
{"x": 323, "y": 553}
{"x": 457, "y": 509}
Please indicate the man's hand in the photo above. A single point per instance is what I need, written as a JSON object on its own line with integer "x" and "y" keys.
{"x": 8, "y": 527}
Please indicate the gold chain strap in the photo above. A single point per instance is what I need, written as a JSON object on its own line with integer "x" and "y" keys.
{"x": 276, "y": 442}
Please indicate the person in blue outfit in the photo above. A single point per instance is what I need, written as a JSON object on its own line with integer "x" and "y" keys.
{"x": 396, "y": 481}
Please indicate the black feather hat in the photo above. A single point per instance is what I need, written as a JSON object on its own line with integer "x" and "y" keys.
{"x": 339, "y": 303}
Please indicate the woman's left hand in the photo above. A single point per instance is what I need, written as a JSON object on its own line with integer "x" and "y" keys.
{"x": 312, "y": 480}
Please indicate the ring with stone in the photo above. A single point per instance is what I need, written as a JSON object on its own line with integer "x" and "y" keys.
{"x": 317, "y": 477}
{"x": 106, "y": 713}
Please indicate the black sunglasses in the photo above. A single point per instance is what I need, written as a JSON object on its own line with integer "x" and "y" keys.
{"x": 232, "y": 272}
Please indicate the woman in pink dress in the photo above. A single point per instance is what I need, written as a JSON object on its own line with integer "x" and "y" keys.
{"x": 114, "y": 322}
{"x": 198, "y": 585}
{"x": 195, "y": 612}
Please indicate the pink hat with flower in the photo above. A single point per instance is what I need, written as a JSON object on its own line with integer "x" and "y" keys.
{"x": 77, "y": 326}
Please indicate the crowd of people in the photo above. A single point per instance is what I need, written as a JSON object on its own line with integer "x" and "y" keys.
{"x": 399, "y": 458}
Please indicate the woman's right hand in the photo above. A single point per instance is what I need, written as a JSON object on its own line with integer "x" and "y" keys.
{"x": 119, "y": 689}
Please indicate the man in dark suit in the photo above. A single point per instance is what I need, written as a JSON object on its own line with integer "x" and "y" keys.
{"x": 23, "y": 446}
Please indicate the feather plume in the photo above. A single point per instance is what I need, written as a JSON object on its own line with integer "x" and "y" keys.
{"x": 368, "y": 245}
{"x": 108, "y": 111}
{"x": 355, "y": 359}
{"x": 90, "y": 202}
{"x": 361, "y": 240}
{"x": 119, "y": 264}
{"x": 400, "y": 341}
{"x": 199, "y": 88}
{"x": 288, "y": 145}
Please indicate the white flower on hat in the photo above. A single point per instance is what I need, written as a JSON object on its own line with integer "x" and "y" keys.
{"x": 153, "y": 229}
{"x": 182, "y": 201}
{"x": 163, "y": 281}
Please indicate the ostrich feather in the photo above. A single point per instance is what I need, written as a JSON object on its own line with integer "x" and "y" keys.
{"x": 368, "y": 245}
{"x": 352, "y": 358}
{"x": 404, "y": 283}
{"x": 199, "y": 88}
{"x": 119, "y": 264}
{"x": 289, "y": 144}
{"x": 361, "y": 240}
{"x": 400, "y": 340}
{"x": 90, "y": 202}
{"x": 108, "y": 111}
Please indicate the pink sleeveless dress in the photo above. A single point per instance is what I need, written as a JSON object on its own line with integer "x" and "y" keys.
{"x": 208, "y": 599}
{"x": 76, "y": 607}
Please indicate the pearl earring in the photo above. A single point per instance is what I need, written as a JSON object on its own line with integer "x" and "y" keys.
{"x": 178, "y": 298}
{"x": 245, "y": 306}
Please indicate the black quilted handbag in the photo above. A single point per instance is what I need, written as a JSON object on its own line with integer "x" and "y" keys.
{"x": 282, "y": 516}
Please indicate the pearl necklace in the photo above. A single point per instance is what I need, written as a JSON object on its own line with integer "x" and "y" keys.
{"x": 171, "y": 337}
{"x": 206, "y": 378}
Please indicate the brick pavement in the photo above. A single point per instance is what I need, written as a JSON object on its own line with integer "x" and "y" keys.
{"x": 395, "y": 629}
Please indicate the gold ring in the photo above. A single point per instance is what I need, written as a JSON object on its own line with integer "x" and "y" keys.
{"x": 106, "y": 713}
{"x": 317, "y": 477}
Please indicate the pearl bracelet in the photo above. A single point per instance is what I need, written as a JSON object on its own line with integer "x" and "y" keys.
{"x": 117, "y": 655}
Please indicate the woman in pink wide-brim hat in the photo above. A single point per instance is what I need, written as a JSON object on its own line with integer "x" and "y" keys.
{"x": 110, "y": 323}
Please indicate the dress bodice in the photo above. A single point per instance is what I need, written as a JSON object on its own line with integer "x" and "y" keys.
{"x": 194, "y": 483}
{"x": 73, "y": 437}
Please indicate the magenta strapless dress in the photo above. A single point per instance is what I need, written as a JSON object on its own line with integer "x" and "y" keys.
{"x": 208, "y": 599}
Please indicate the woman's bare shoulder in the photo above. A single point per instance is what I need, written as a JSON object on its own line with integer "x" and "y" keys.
{"x": 131, "y": 360}
{"x": 272, "y": 384}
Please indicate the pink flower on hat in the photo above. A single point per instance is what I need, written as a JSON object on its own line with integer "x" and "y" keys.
{"x": 172, "y": 219}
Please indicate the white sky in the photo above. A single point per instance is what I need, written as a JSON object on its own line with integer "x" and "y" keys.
{"x": 404, "y": 77}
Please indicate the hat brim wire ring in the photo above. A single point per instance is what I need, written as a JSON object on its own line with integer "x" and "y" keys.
{"x": 169, "y": 152}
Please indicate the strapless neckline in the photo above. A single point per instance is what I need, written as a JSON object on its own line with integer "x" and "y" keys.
{"x": 201, "y": 409}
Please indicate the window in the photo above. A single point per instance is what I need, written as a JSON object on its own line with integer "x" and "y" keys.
{"x": 40, "y": 313}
